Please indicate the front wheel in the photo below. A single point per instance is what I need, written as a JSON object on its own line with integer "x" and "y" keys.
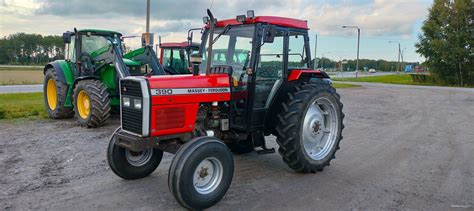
{"x": 132, "y": 165}
{"x": 201, "y": 173}
{"x": 309, "y": 127}
{"x": 91, "y": 103}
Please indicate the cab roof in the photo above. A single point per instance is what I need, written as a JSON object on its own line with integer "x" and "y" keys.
{"x": 100, "y": 31}
{"x": 178, "y": 44}
{"x": 274, "y": 20}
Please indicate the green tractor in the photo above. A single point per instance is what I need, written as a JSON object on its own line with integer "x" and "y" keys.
{"x": 86, "y": 83}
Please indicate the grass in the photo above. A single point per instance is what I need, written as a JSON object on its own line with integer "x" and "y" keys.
{"x": 341, "y": 86}
{"x": 388, "y": 79}
{"x": 21, "y": 105}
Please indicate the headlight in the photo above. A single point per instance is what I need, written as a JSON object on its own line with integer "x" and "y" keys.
{"x": 137, "y": 104}
{"x": 126, "y": 101}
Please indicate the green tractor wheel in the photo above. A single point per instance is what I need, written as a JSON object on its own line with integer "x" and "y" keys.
{"x": 91, "y": 103}
{"x": 55, "y": 92}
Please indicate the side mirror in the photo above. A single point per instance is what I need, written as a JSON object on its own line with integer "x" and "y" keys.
{"x": 270, "y": 33}
{"x": 67, "y": 37}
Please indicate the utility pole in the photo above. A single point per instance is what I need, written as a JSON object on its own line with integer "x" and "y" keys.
{"x": 148, "y": 16}
{"x": 358, "y": 45}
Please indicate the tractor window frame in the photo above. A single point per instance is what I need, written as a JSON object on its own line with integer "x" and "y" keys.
{"x": 306, "y": 51}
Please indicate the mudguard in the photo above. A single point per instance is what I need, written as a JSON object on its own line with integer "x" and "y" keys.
{"x": 63, "y": 70}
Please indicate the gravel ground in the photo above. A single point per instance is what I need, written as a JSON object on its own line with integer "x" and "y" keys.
{"x": 403, "y": 148}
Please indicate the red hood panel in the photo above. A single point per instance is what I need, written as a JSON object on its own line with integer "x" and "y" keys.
{"x": 188, "y": 81}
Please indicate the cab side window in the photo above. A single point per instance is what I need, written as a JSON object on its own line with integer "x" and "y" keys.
{"x": 296, "y": 51}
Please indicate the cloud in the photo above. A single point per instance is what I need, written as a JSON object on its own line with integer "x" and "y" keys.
{"x": 161, "y": 10}
{"x": 375, "y": 18}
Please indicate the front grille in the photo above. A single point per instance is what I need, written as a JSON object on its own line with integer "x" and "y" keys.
{"x": 131, "y": 88}
{"x": 132, "y": 119}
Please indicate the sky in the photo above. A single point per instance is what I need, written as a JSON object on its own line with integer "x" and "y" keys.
{"x": 380, "y": 21}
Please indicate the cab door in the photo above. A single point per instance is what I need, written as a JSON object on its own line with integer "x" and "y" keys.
{"x": 270, "y": 69}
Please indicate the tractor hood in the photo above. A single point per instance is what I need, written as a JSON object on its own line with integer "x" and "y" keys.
{"x": 188, "y": 81}
{"x": 172, "y": 89}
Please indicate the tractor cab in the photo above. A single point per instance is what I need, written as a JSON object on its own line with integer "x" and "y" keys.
{"x": 95, "y": 52}
{"x": 263, "y": 56}
{"x": 175, "y": 57}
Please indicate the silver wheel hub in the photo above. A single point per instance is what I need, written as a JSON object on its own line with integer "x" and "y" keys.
{"x": 208, "y": 175}
{"x": 319, "y": 128}
{"x": 139, "y": 158}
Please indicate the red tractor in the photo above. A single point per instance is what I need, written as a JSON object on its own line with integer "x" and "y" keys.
{"x": 264, "y": 84}
{"x": 175, "y": 57}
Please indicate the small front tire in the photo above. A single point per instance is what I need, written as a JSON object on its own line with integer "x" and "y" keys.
{"x": 131, "y": 165}
{"x": 201, "y": 173}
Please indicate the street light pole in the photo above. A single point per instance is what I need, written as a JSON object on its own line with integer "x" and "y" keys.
{"x": 358, "y": 45}
{"x": 399, "y": 54}
{"x": 315, "y": 50}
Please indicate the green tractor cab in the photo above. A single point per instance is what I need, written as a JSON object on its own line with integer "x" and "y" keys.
{"x": 85, "y": 83}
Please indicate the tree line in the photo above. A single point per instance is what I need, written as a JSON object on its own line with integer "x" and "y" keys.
{"x": 30, "y": 49}
{"x": 447, "y": 41}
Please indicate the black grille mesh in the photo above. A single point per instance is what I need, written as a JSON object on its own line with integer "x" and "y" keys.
{"x": 132, "y": 119}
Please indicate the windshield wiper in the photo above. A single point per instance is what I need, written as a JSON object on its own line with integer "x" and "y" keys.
{"x": 226, "y": 29}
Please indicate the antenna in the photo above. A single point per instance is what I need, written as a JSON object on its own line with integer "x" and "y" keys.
{"x": 212, "y": 3}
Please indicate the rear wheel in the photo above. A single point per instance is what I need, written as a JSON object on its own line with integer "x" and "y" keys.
{"x": 55, "y": 93}
{"x": 201, "y": 173}
{"x": 309, "y": 127}
{"x": 132, "y": 165}
{"x": 91, "y": 103}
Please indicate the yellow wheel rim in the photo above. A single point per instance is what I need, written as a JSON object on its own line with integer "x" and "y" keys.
{"x": 83, "y": 104}
{"x": 51, "y": 94}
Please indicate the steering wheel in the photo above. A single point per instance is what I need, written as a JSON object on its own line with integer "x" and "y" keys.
{"x": 86, "y": 61}
{"x": 170, "y": 70}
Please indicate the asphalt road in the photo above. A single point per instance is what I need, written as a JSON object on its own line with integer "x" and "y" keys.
{"x": 403, "y": 148}
{"x": 21, "y": 88}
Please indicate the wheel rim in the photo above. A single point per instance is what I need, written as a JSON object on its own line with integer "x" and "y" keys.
{"x": 208, "y": 175}
{"x": 319, "y": 128}
{"x": 83, "y": 104}
{"x": 138, "y": 158}
{"x": 51, "y": 94}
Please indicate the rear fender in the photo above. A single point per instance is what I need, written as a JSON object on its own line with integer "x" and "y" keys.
{"x": 298, "y": 74}
{"x": 63, "y": 71}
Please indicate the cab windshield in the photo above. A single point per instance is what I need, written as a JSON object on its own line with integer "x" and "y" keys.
{"x": 96, "y": 45}
{"x": 232, "y": 48}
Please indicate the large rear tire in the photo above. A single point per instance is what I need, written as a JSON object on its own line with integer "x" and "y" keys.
{"x": 132, "y": 165}
{"x": 309, "y": 127}
{"x": 91, "y": 103}
{"x": 55, "y": 93}
{"x": 201, "y": 173}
